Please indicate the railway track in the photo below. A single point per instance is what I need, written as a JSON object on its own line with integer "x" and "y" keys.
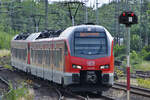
{"x": 6, "y": 82}
{"x": 134, "y": 89}
{"x": 142, "y": 74}
{"x": 63, "y": 95}
{"x": 2, "y": 68}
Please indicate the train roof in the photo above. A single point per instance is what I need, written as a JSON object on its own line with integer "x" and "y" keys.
{"x": 60, "y": 33}
{"x": 33, "y": 36}
{"x": 21, "y": 36}
{"x": 82, "y": 28}
{"x": 39, "y": 35}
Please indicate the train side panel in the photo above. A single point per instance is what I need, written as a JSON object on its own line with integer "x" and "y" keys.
{"x": 58, "y": 61}
{"x": 19, "y": 55}
{"x": 41, "y": 59}
{"x": 47, "y": 60}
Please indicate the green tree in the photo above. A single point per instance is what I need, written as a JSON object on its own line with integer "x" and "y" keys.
{"x": 135, "y": 42}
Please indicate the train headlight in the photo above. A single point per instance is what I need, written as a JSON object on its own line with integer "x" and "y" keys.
{"x": 76, "y": 66}
{"x": 104, "y": 67}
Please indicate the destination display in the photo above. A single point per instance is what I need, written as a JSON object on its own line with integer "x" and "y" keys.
{"x": 89, "y": 34}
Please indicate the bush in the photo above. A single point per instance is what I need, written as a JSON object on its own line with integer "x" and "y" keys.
{"x": 143, "y": 83}
{"x": 135, "y": 42}
{"x": 145, "y": 53}
{"x": 119, "y": 50}
{"x": 6, "y": 35}
{"x": 135, "y": 58}
{"x": 5, "y": 39}
{"x": 146, "y": 48}
{"x": 147, "y": 56}
{"x": 20, "y": 93}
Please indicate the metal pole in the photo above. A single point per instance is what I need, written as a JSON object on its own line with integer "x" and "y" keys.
{"x": 128, "y": 63}
{"x": 141, "y": 6}
{"x": 37, "y": 28}
{"x": 126, "y": 4}
{"x": 46, "y": 14}
{"x": 86, "y": 14}
{"x": 128, "y": 57}
{"x": 72, "y": 20}
{"x": 96, "y": 11}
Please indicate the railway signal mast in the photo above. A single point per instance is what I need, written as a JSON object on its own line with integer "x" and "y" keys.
{"x": 128, "y": 18}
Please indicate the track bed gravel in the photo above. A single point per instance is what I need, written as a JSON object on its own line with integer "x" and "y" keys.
{"x": 3, "y": 88}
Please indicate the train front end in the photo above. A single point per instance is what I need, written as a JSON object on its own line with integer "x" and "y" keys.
{"x": 89, "y": 61}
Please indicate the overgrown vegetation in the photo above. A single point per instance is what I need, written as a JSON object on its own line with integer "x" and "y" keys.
{"x": 5, "y": 37}
{"x": 145, "y": 83}
{"x": 139, "y": 60}
{"x": 20, "y": 93}
{"x": 5, "y": 59}
{"x": 4, "y": 52}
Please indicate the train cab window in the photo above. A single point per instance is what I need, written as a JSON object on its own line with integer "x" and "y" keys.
{"x": 90, "y": 43}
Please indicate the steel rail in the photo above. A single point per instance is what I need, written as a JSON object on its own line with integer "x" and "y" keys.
{"x": 63, "y": 91}
{"x": 6, "y": 82}
{"x": 59, "y": 94}
{"x": 103, "y": 97}
{"x": 134, "y": 89}
{"x": 86, "y": 97}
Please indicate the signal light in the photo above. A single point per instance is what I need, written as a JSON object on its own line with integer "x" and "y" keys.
{"x": 132, "y": 14}
{"x": 124, "y": 14}
{"x": 128, "y": 18}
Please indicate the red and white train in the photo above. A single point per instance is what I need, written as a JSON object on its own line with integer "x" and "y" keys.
{"x": 80, "y": 57}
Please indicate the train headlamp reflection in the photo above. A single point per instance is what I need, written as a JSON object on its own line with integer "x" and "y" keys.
{"x": 77, "y": 66}
{"x": 104, "y": 67}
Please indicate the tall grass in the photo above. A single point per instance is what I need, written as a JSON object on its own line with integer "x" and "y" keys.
{"x": 145, "y": 83}
{"x": 5, "y": 39}
{"x": 4, "y": 52}
{"x": 6, "y": 34}
{"x": 145, "y": 66}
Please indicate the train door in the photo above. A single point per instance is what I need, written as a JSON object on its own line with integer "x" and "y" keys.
{"x": 47, "y": 65}
{"x": 58, "y": 61}
{"x": 50, "y": 66}
{"x": 54, "y": 71}
{"x": 52, "y": 60}
{"x": 63, "y": 62}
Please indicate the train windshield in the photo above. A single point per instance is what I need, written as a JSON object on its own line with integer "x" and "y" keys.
{"x": 90, "y": 43}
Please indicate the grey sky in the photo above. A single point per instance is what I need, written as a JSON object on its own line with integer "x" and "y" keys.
{"x": 90, "y": 3}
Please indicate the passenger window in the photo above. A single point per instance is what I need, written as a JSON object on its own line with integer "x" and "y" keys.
{"x": 66, "y": 49}
{"x": 60, "y": 54}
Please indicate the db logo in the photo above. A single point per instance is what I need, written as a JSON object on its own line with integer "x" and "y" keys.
{"x": 90, "y": 63}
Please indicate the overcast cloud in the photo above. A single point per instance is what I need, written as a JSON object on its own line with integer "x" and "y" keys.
{"x": 90, "y": 3}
